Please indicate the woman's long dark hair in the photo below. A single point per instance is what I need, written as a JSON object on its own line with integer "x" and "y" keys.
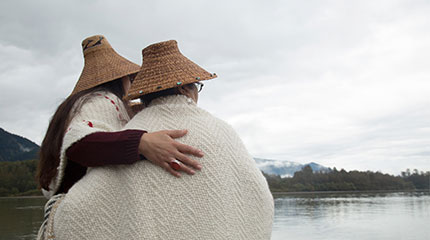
{"x": 49, "y": 155}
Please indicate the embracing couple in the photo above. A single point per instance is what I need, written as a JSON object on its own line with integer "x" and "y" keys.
{"x": 109, "y": 177}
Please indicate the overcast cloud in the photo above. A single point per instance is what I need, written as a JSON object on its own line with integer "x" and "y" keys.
{"x": 341, "y": 83}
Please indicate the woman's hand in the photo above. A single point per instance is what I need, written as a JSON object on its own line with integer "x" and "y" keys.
{"x": 161, "y": 149}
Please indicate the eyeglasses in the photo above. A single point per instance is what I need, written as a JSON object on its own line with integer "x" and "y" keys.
{"x": 199, "y": 86}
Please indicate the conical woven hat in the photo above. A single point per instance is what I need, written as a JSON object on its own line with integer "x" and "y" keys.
{"x": 165, "y": 67}
{"x": 102, "y": 64}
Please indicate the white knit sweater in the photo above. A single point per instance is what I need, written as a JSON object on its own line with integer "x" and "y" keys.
{"x": 100, "y": 112}
{"x": 228, "y": 199}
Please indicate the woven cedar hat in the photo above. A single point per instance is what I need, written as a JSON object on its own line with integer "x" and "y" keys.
{"x": 165, "y": 67}
{"x": 102, "y": 64}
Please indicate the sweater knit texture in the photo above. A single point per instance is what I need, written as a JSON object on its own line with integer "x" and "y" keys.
{"x": 228, "y": 199}
{"x": 100, "y": 112}
{"x": 99, "y": 149}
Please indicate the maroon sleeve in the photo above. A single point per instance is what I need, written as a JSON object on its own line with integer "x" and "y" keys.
{"x": 106, "y": 148}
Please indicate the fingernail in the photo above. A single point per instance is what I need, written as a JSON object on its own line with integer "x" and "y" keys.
{"x": 192, "y": 172}
{"x": 201, "y": 153}
{"x": 199, "y": 167}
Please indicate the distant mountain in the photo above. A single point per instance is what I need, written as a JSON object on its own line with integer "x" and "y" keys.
{"x": 285, "y": 168}
{"x": 16, "y": 148}
{"x": 317, "y": 167}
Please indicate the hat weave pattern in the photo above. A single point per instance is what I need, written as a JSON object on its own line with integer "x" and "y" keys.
{"x": 164, "y": 67}
{"x": 102, "y": 64}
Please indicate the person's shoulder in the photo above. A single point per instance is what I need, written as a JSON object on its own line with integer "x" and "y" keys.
{"x": 220, "y": 128}
{"x": 102, "y": 97}
{"x": 100, "y": 102}
{"x": 224, "y": 124}
{"x": 218, "y": 122}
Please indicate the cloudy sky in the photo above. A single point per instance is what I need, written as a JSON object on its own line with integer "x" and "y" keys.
{"x": 342, "y": 83}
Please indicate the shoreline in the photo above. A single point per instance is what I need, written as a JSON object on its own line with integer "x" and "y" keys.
{"x": 357, "y": 191}
{"x": 296, "y": 193}
{"x": 41, "y": 196}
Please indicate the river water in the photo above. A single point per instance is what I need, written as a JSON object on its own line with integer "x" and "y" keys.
{"x": 352, "y": 216}
{"x": 297, "y": 216}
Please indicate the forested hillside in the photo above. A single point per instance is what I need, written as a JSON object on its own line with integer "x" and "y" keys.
{"x": 17, "y": 178}
{"x": 16, "y": 148}
{"x": 334, "y": 180}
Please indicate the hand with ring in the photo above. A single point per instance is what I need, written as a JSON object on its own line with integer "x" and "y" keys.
{"x": 175, "y": 164}
{"x": 161, "y": 149}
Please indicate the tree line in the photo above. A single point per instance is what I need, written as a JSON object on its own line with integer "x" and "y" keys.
{"x": 18, "y": 179}
{"x": 334, "y": 180}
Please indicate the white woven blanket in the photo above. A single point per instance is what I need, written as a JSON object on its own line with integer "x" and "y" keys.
{"x": 228, "y": 199}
